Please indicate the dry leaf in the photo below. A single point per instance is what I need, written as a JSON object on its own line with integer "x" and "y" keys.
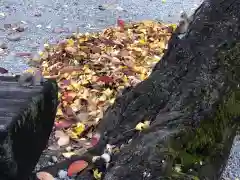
{"x": 63, "y": 139}
{"x": 141, "y": 126}
{"x": 77, "y": 167}
{"x": 44, "y": 176}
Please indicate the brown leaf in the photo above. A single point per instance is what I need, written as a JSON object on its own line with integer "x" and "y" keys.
{"x": 70, "y": 50}
{"x": 77, "y": 167}
{"x": 96, "y": 49}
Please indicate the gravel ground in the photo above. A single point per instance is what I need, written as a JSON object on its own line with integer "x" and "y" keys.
{"x": 40, "y": 21}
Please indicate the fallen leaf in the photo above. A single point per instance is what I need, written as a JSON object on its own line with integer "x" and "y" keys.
{"x": 77, "y": 167}
{"x": 68, "y": 154}
{"x": 79, "y": 128}
{"x": 63, "y": 139}
{"x": 141, "y": 126}
{"x": 97, "y": 175}
{"x": 105, "y": 79}
{"x": 44, "y": 176}
{"x": 63, "y": 124}
{"x": 95, "y": 139}
{"x": 70, "y": 50}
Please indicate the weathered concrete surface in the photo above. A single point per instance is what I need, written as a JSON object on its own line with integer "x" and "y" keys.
{"x": 26, "y": 120}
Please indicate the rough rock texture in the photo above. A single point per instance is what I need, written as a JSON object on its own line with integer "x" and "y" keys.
{"x": 26, "y": 120}
{"x": 192, "y": 99}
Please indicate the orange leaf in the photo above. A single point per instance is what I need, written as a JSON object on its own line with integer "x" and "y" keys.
{"x": 77, "y": 167}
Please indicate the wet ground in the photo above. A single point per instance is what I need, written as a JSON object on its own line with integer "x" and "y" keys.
{"x": 25, "y": 25}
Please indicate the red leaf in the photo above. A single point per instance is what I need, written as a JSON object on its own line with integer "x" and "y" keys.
{"x": 95, "y": 139}
{"x": 105, "y": 79}
{"x": 77, "y": 167}
{"x": 120, "y": 23}
{"x": 63, "y": 124}
{"x": 3, "y": 70}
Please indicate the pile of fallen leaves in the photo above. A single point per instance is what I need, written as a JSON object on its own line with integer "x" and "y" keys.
{"x": 93, "y": 69}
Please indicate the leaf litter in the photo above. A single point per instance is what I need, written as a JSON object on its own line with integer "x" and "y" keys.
{"x": 91, "y": 71}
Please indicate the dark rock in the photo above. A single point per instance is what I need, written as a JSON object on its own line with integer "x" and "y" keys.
{"x": 26, "y": 120}
{"x": 100, "y": 7}
{"x": 20, "y": 29}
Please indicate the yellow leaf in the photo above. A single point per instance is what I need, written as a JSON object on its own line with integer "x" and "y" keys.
{"x": 108, "y": 92}
{"x": 111, "y": 101}
{"x": 70, "y": 42}
{"x": 73, "y": 135}
{"x": 68, "y": 154}
{"x": 59, "y": 112}
{"x": 102, "y": 98}
{"x": 40, "y": 53}
{"x": 141, "y": 126}
{"x": 142, "y": 76}
{"x": 59, "y": 95}
{"x": 97, "y": 175}
{"x": 146, "y": 124}
{"x": 76, "y": 85}
{"x": 79, "y": 128}
{"x": 142, "y": 41}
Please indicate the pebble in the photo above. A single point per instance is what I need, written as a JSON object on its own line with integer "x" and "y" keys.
{"x": 19, "y": 28}
{"x": 62, "y": 174}
{"x": 101, "y": 8}
{"x": 37, "y": 14}
{"x": 54, "y": 159}
{"x": 1, "y": 51}
{"x": 60, "y": 30}
{"x": 14, "y": 37}
{"x": 50, "y": 163}
{"x": 3, "y": 45}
